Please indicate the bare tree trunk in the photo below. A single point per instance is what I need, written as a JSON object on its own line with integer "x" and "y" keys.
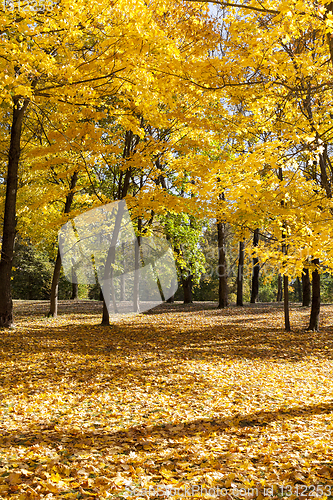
{"x": 285, "y": 277}
{"x": 187, "y": 288}
{"x": 105, "y": 315}
{"x": 57, "y": 267}
{"x": 75, "y": 291}
{"x": 315, "y": 304}
{"x": 255, "y": 270}
{"x": 240, "y": 274}
{"x": 108, "y": 270}
{"x": 9, "y": 221}
{"x": 222, "y": 267}
{"x": 279, "y": 291}
{"x": 286, "y": 303}
{"x": 54, "y": 287}
{"x": 298, "y": 290}
{"x": 306, "y": 288}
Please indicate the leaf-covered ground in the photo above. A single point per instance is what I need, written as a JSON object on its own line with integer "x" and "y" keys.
{"x": 191, "y": 397}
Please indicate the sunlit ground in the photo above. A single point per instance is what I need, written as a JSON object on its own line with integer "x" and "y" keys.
{"x": 184, "y": 400}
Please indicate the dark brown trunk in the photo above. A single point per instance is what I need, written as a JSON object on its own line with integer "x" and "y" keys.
{"x": 255, "y": 270}
{"x": 171, "y": 299}
{"x": 187, "y": 289}
{"x": 9, "y": 220}
{"x": 240, "y": 274}
{"x": 315, "y": 303}
{"x": 279, "y": 290}
{"x": 285, "y": 277}
{"x": 75, "y": 291}
{"x": 105, "y": 315}
{"x": 56, "y": 272}
{"x": 108, "y": 285}
{"x": 286, "y": 303}
{"x": 298, "y": 290}
{"x": 222, "y": 267}
{"x": 306, "y": 288}
{"x": 54, "y": 287}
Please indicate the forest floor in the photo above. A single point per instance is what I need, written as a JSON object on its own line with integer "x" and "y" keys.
{"x": 182, "y": 401}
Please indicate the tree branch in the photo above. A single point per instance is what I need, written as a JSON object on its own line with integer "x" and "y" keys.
{"x": 242, "y": 6}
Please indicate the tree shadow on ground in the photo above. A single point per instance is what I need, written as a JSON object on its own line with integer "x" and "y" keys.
{"x": 136, "y": 435}
{"x": 141, "y": 349}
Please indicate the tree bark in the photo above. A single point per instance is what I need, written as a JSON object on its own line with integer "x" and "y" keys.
{"x": 240, "y": 273}
{"x": 187, "y": 288}
{"x": 306, "y": 288}
{"x": 279, "y": 290}
{"x": 315, "y": 303}
{"x": 108, "y": 285}
{"x": 57, "y": 267}
{"x": 255, "y": 270}
{"x": 9, "y": 221}
{"x": 55, "y": 287}
{"x": 298, "y": 290}
{"x": 286, "y": 303}
{"x": 222, "y": 267}
{"x": 75, "y": 291}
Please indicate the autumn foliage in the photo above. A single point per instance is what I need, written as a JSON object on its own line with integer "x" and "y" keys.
{"x": 179, "y": 396}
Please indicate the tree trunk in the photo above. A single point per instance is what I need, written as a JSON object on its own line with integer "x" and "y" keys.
{"x": 286, "y": 303}
{"x": 9, "y": 220}
{"x": 306, "y": 288}
{"x": 56, "y": 272}
{"x": 279, "y": 291}
{"x": 187, "y": 288}
{"x": 298, "y": 290}
{"x": 75, "y": 291}
{"x": 315, "y": 304}
{"x": 108, "y": 285}
{"x": 105, "y": 315}
{"x": 54, "y": 287}
{"x": 240, "y": 274}
{"x": 255, "y": 270}
{"x": 222, "y": 267}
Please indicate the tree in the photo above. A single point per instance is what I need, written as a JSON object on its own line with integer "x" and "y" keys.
{"x": 57, "y": 267}
{"x": 92, "y": 59}
{"x": 280, "y": 103}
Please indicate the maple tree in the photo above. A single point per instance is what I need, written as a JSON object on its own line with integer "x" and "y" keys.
{"x": 225, "y": 111}
{"x": 272, "y": 80}
{"x": 103, "y": 64}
